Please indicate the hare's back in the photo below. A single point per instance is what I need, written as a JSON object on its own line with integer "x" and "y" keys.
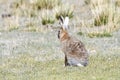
{"x": 77, "y": 48}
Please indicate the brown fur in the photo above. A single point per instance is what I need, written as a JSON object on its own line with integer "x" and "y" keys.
{"x": 72, "y": 48}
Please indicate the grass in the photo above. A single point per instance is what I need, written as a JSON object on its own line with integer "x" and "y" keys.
{"x": 37, "y": 4}
{"x": 64, "y": 10}
{"x": 36, "y": 56}
{"x": 47, "y": 11}
{"x": 117, "y": 2}
{"x": 102, "y": 19}
{"x": 47, "y": 4}
{"x": 87, "y": 1}
{"x": 48, "y": 17}
{"x": 26, "y": 67}
{"x": 80, "y": 33}
{"x": 103, "y": 34}
{"x": 47, "y": 20}
{"x": 96, "y": 2}
{"x": 11, "y": 28}
{"x": 32, "y": 29}
{"x": 105, "y": 17}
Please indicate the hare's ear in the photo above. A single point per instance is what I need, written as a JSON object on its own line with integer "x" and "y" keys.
{"x": 65, "y": 25}
{"x": 61, "y": 20}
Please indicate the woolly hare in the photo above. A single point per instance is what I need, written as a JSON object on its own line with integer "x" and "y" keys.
{"x": 74, "y": 49}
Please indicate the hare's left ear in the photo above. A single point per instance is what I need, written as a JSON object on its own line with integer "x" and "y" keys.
{"x": 65, "y": 24}
{"x": 61, "y": 20}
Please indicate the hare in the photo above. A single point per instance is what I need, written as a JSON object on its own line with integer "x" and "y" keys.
{"x": 74, "y": 50}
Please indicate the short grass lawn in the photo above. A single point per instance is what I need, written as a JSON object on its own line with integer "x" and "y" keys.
{"x": 25, "y": 67}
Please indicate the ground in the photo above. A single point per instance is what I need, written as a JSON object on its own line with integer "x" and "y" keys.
{"x": 37, "y": 55}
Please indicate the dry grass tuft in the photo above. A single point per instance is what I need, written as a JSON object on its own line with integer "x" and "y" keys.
{"x": 100, "y": 34}
{"x": 64, "y": 10}
{"x": 47, "y": 4}
{"x": 46, "y": 10}
{"x": 105, "y": 13}
{"x": 117, "y": 2}
{"x": 48, "y": 17}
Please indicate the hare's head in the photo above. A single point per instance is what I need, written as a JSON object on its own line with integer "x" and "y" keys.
{"x": 62, "y": 33}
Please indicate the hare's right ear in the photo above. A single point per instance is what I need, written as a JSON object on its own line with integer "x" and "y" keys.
{"x": 61, "y": 20}
{"x": 66, "y": 21}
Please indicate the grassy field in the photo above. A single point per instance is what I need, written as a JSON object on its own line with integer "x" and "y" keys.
{"x": 30, "y": 49}
{"x": 25, "y": 67}
{"x": 37, "y": 56}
